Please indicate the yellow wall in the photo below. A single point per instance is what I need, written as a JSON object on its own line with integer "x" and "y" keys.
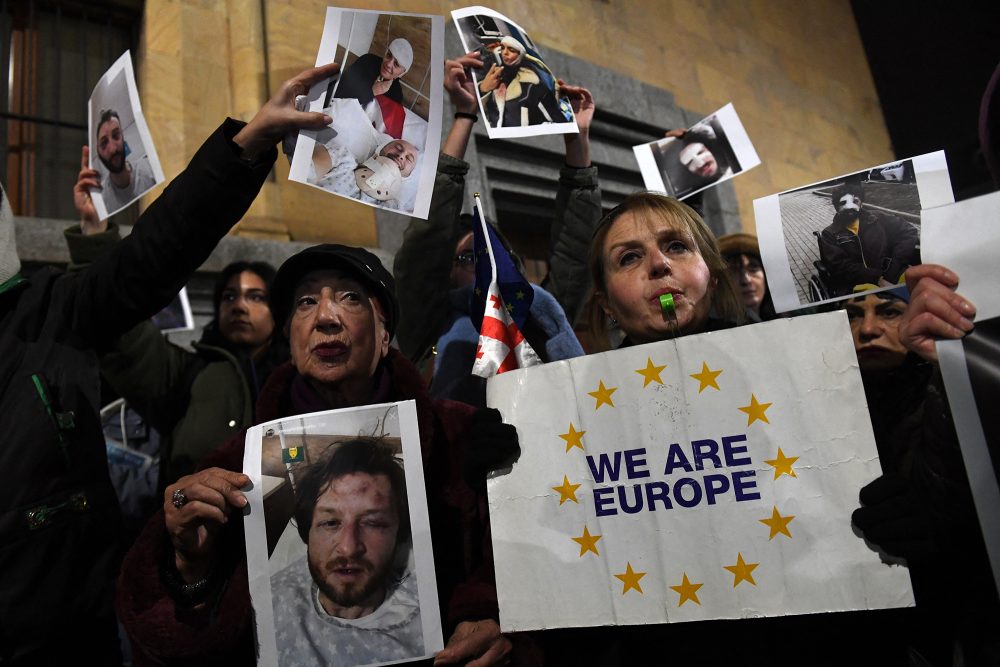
{"x": 795, "y": 71}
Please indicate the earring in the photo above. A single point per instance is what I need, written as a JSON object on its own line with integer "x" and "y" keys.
{"x": 612, "y": 321}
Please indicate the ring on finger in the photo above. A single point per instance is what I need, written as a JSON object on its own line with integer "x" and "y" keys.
{"x": 178, "y": 498}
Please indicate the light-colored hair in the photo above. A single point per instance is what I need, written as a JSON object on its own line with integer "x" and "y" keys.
{"x": 725, "y": 302}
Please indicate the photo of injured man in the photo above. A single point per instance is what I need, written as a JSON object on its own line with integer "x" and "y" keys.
{"x": 381, "y": 146}
{"x": 347, "y": 566}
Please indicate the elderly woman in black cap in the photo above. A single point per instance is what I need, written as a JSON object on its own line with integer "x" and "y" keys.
{"x": 184, "y": 591}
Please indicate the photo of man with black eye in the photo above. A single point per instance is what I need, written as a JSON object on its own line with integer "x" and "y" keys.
{"x": 340, "y": 558}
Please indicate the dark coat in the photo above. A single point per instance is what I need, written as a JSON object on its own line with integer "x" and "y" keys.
{"x": 195, "y": 400}
{"x": 164, "y": 633}
{"x": 883, "y": 248}
{"x": 357, "y": 80}
{"x": 59, "y": 520}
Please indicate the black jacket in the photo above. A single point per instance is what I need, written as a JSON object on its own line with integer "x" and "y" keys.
{"x": 883, "y": 248}
{"x": 59, "y": 520}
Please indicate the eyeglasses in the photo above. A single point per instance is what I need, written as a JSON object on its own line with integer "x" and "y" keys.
{"x": 467, "y": 258}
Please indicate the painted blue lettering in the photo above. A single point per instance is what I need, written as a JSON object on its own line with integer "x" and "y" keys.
{"x": 605, "y": 468}
{"x": 731, "y": 452}
{"x": 635, "y": 463}
{"x": 600, "y": 502}
{"x": 676, "y": 459}
{"x": 679, "y": 492}
{"x": 704, "y": 449}
{"x": 744, "y": 483}
{"x": 714, "y": 485}
{"x": 623, "y": 499}
{"x": 657, "y": 491}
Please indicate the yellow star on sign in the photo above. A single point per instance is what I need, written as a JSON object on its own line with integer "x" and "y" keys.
{"x": 567, "y": 491}
{"x": 742, "y": 571}
{"x": 520, "y": 295}
{"x": 706, "y": 378}
{"x": 630, "y": 579}
{"x": 777, "y": 523}
{"x": 650, "y": 373}
{"x": 687, "y": 591}
{"x": 783, "y": 464}
{"x": 603, "y": 395}
{"x": 755, "y": 410}
{"x": 573, "y": 438}
{"x": 587, "y": 542}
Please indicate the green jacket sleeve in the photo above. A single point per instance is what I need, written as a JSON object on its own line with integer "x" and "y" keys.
{"x": 578, "y": 210}
{"x": 422, "y": 266}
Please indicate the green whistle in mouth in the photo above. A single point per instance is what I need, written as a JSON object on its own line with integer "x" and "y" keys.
{"x": 667, "y": 304}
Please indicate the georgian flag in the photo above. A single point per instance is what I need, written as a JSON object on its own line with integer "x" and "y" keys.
{"x": 505, "y": 297}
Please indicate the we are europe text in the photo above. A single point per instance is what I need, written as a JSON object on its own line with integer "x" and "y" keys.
{"x": 685, "y": 491}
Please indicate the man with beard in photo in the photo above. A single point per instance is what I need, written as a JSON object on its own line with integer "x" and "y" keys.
{"x": 125, "y": 181}
{"x": 352, "y": 599}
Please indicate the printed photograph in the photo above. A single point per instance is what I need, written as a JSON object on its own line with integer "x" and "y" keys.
{"x": 381, "y": 148}
{"x": 176, "y": 316}
{"x": 121, "y": 148}
{"x": 343, "y": 546}
{"x": 518, "y": 93}
{"x": 848, "y": 236}
{"x": 711, "y": 151}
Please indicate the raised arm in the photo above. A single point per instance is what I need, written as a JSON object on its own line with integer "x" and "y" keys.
{"x": 578, "y": 210}
{"x": 178, "y": 231}
{"x": 424, "y": 261}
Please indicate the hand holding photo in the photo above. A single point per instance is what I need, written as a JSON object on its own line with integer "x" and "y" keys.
{"x": 381, "y": 147}
{"x": 712, "y": 151}
{"x": 519, "y": 96}
{"x": 338, "y": 539}
{"x": 850, "y": 235}
{"x": 121, "y": 148}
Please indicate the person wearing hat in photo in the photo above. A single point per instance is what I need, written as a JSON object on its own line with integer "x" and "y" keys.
{"x": 374, "y": 82}
{"x": 184, "y": 593}
{"x": 742, "y": 254}
{"x": 519, "y": 90}
{"x": 60, "y": 524}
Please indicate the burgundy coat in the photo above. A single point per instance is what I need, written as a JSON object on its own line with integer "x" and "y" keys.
{"x": 164, "y": 633}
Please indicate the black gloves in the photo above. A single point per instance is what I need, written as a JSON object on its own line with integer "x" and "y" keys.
{"x": 492, "y": 445}
{"x": 896, "y": 519}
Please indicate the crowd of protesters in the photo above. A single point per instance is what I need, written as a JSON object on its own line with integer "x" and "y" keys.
{"x": 332, "y": 328}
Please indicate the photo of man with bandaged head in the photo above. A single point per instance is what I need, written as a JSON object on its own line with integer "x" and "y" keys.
{"x": 381, "y": 146}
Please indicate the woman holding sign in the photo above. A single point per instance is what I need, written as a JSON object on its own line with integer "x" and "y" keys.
{"x": 658, "y": 274}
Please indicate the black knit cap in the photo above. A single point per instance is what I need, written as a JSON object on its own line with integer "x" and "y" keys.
{"x": 357, "y": 262}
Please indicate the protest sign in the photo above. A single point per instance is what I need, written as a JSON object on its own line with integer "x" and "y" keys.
{"x": 713, "y": 150}
{"x": 700, "y": 478}
{"x": 338, "y": 540}
{"x": 848, "y": 236}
